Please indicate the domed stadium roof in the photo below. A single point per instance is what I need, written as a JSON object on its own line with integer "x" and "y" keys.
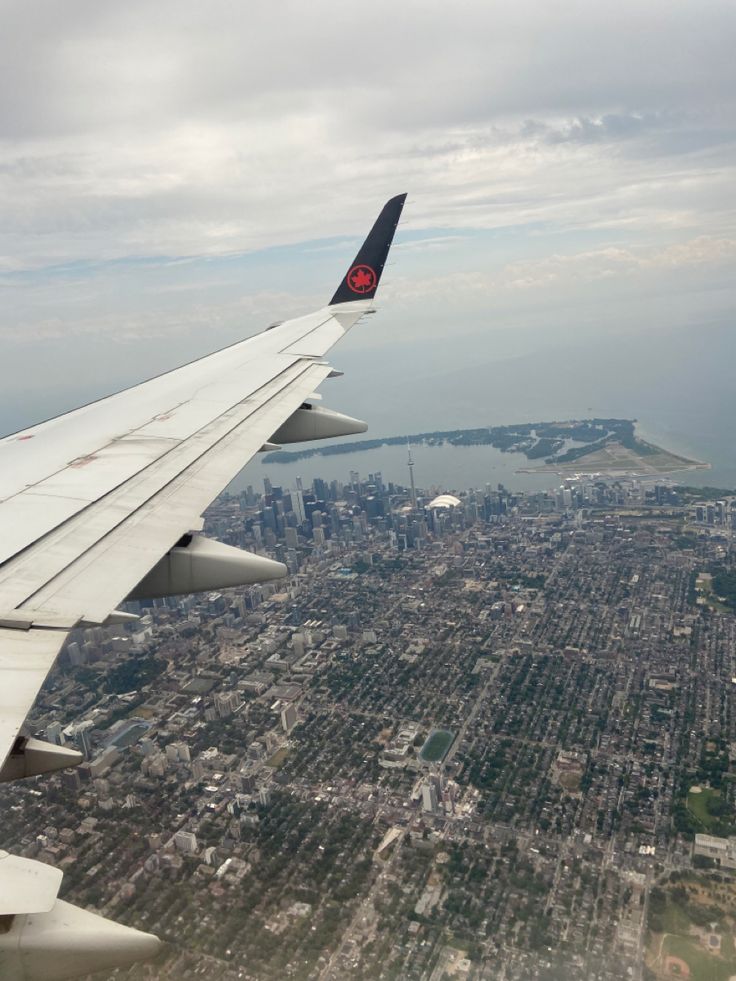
{"x": 444, "y": 501}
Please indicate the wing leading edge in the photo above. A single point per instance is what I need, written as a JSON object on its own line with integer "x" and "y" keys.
{"x": 94, "y": 500}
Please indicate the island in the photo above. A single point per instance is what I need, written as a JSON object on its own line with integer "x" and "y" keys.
{"x": 578, "y": 446}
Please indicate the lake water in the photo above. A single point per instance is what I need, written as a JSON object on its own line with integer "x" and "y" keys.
{"x": 436, "y": 468}
{"x": 440, "y": 468}
{"x": 677, "y": 384}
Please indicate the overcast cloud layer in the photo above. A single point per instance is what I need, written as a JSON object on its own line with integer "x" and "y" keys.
{"x": 186, "y": 171}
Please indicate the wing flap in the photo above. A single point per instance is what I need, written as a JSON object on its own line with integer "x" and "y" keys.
{"x": 90, "y": 478}
{"x": 27, "y": 886}
{"x": 317, "y": 340}
{"x": 26, "y": 518}
{"x": 26, "y": 657}
{"x": 132, "y": 528}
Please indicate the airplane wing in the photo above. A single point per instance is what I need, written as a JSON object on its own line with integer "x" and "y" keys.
{"x": 104, "y": 503}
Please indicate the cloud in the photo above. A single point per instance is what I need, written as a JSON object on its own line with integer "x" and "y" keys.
{"x": 175, "y": 128}
{"x": 162, "y": 163}
{"x": 617, "y": 261}
{"x": 609, "y": 128}
{"x": 645, "y": 268}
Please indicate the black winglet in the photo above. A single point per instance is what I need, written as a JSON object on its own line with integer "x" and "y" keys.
{"x": 364, "y": 274}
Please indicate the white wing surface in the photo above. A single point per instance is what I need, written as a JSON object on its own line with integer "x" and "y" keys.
{"x": 92, "y": 501}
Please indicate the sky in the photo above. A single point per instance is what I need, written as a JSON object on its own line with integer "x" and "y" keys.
{"x": 175, "y": 176}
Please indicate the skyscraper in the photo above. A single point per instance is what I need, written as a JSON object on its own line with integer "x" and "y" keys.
{"x": 54, "y": 733}
{"x": 186, "y": 841}
{"x": 288, "y": 718}
{"x": 297, "y": 503}
{"x": 430, "y": 797}
{"x": 411, "y": 479}
{"x": 85, "y": 743}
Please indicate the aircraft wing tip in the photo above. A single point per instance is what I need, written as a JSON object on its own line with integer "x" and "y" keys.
{"x": 362, "y": 278}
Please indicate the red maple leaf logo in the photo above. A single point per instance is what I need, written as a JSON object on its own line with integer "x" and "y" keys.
{"x": 361, "y": 279}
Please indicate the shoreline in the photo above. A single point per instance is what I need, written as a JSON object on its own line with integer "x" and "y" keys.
{"x": 695, "y": 465}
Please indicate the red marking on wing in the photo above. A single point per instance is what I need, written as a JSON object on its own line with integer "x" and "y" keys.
{"x": 82, "y": 461}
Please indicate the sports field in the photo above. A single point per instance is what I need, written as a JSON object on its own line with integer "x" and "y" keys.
{"x": 437, "y": 746}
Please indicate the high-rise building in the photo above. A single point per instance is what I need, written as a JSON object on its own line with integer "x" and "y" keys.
{"x": 71, "y": 780}
{"x": 102, "y": 763}
{"x": 55, "y": 734}
{"x": 226, "y": 703}
{"x": 186, "y": 841}
{"x": 85, "y": 743}
{"x": 288, "y": 718}
{"x": 430, "y": 797}
{"x": 247, "y": 782}
{"x": 449, "y": 798}
{"x": 297, "y": 505}
{"x": 178, "y": 753}
{"x": 76, "y": 655}
{"x": 155, "y": 766}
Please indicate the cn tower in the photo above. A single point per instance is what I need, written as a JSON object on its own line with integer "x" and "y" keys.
{"x": 411, "y": 478}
